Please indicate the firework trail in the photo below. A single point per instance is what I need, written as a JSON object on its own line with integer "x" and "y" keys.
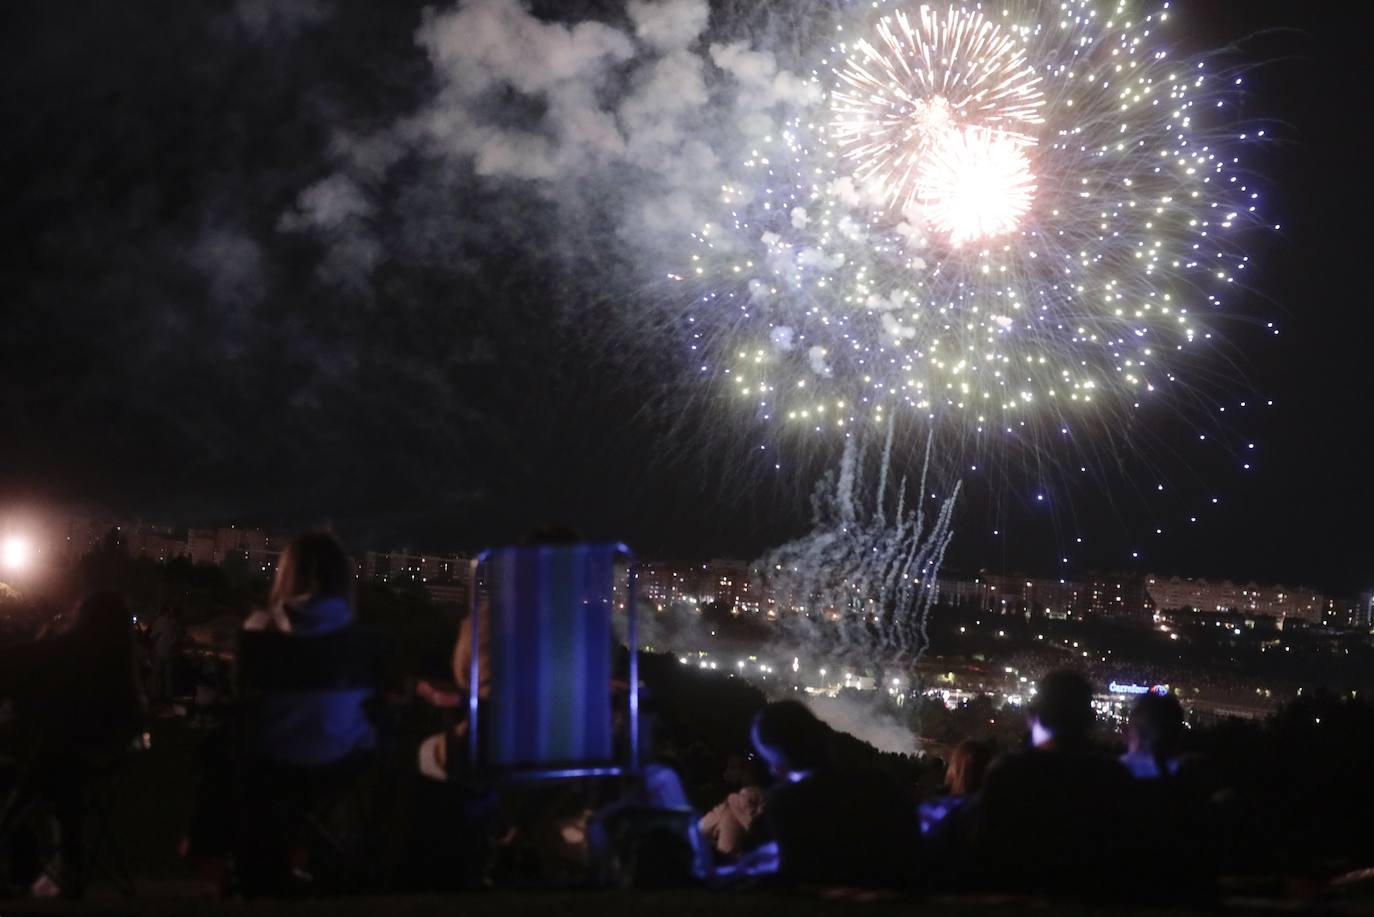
{"x": 862, "y": 581}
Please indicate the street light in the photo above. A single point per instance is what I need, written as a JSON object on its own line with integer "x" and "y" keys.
{"x": 15, "y": 553}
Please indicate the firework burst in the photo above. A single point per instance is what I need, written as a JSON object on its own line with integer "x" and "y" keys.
{"x": 974, "y": 184}
{"x": 997, "y": 216}
{"x": 898, "y": 101}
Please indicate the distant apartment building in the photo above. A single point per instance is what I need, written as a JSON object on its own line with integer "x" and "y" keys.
{"x": 1236, "y": 621}
{"x": 1347, "y": 614}
{"x": 729, "y": 583}
{"x": 407, "y": 566}
{"x": 73, "y": 535}
{"x": 732, "y": 583}
{"x": 1117, "y": 595}
{"x": 661, "y": 583}
{"x": 64, "y": 538}
{"x": 964, "y": 593}
{"x": 1276, "y": 601}
{"x": 1022, "y": 594}
{"x": 1100, "y": 594}
{"x": 258, "y": 548}
{"x": 157, "y": 543}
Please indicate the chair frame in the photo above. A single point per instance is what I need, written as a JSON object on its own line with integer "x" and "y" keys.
{"x": 621, "y": 551}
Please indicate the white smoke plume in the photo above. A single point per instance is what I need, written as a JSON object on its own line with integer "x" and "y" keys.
{"x": 865, "y": 722}
{"x": 622, "y": 121}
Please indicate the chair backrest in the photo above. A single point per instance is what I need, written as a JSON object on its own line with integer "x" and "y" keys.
{"x": 547, "y": 710}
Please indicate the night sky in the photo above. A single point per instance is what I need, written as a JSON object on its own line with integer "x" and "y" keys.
{"x": 174, "y": 346}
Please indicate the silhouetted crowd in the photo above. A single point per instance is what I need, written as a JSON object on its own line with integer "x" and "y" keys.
{"x": 331, "y": 773}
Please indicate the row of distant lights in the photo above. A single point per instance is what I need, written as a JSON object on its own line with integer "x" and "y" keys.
{"x": 762, "y": 667}
{"x": 765, "y": 669}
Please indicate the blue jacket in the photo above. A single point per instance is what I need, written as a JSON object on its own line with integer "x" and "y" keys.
{"x": 315, "y": 726}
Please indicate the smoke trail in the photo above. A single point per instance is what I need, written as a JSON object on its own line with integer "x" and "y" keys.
{"x": 863, "y": 580}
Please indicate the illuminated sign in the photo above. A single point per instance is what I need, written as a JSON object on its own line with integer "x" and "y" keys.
{"x": 1118, "y": 688}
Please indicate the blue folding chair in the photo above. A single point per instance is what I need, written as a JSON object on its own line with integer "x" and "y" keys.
{"x": 548, "y": 709}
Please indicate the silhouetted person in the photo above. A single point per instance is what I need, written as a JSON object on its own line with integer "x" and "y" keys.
{"x": 968, "y": 765}
{"x": 305, "y": 678}
{"x": 1154, "y": 735}
{"x": 1176, "y": 789}
{"x": 1059, "y": 817}
{"x": 309, "y": 719}
{"x": 78, "y": 709}
{"x": 830, "y": 828}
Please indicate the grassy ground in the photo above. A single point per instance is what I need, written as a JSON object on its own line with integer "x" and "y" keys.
{"x": 478, "y": 905}
{"x": 613, "y": 904}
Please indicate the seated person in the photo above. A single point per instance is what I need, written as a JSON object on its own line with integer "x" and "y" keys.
{"x": 305, "y": 677}
{"x": 830, "y": 828}
{"x": 1153, "y": 736}
{"x": 1059, "y": 817}
{"x": 968, "y": 764}
{"x": 311, "y": 600}
{"x": 731, "y": 826}
{"x": 1177, "y": 788}
{"x": 78, "y": 707}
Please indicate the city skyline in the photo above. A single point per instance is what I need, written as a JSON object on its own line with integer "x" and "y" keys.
{"x": 63, "y": 538}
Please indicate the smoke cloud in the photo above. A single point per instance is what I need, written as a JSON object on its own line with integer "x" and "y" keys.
{"x": 865, "y": 721}
{"x": 619, "y": 127}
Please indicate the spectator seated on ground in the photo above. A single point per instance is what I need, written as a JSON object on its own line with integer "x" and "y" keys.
{"x": 1059, "y": 817}
{"x": 968, "y": 765}
{"x": 732, "y": 825}
{"x": 830, "y": 828}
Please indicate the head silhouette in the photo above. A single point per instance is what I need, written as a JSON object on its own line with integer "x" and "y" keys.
{"x": 314, "y": 566}
{"x": 1155, "y": 727}
{"x": 1062, "y": 712}
{"x": 967, "y": 764}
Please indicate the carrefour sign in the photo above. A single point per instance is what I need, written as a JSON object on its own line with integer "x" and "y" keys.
{"x": 1117, "y": 687}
